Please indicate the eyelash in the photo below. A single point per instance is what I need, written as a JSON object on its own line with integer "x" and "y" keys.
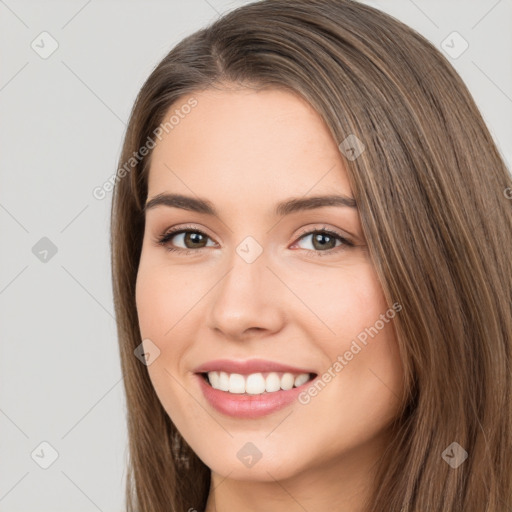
{"x": 164, "y": 240}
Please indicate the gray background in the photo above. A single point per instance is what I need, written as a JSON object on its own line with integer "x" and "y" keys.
{"x": 63, "y": 119}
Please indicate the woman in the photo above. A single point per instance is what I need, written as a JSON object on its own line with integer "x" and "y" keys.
{"x": 312, "y": 276}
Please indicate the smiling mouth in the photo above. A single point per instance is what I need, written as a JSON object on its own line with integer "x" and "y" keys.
{"x": 256, "y": 383}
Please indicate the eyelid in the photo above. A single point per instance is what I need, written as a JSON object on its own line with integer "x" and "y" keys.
{"x": 309, "y": 230}
{"x": 176, "y": 230}
{"x": 163, "y": 239}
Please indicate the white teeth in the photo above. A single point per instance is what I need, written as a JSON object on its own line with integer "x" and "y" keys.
{"x": 236, "y": 383}
{"x": 273, "y": 382}
{"x": 287, "y": 381}
{"x": 301, "y": 379}
{"x": 214, "y": 379}
{"x": 255, "y": 383}
{"x": 223, "y": 381}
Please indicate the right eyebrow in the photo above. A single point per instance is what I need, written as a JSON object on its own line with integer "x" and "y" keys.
{"x": 179, "y": 201}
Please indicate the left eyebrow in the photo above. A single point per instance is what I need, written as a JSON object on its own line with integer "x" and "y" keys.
{"x": 286, "y": 207}
{"x": 309, "y": 203}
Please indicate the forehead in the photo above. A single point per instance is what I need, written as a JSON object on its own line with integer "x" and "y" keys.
{"x": 238, "y": 140}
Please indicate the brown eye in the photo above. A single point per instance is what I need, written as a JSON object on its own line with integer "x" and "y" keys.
{"x": 323, "y": 240}
{"x": 189, "y": 239}
{"x": 195, "y": 239}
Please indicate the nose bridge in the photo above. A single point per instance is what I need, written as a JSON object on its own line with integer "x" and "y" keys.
{"x": 245, "y": 298}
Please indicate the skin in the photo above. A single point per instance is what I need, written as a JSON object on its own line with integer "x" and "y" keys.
{"x": 245, "y": 150}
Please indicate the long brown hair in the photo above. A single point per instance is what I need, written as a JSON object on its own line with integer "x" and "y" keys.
{"x": 433, "y": 195}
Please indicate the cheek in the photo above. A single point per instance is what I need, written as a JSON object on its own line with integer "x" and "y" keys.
{"x": 362, "y": 338}
{"x": 164, "y": 296}
{"x": 167, "y": 301}
{"x": 151, "y": 301}
{"x": 159, "y": 310}
{"x": 347, "y": 301}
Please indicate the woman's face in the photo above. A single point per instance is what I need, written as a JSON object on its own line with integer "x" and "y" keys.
{"x": 261, "y": 296}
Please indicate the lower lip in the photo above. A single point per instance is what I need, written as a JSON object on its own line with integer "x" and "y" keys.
{"x": 248, "y": 406}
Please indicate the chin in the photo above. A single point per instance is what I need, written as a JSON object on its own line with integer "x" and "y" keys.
{"x": 260, "y": 461}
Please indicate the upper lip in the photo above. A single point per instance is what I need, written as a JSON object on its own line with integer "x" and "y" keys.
{"x": 248, "y": 366}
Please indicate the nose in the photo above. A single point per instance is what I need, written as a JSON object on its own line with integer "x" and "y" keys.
{"x": 248, "y": 301}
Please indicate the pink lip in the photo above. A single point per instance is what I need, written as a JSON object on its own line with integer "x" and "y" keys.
{"x": 244, "y": 405}
{"x": 248, "y": 406}
{"x": 247, "y": 367}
